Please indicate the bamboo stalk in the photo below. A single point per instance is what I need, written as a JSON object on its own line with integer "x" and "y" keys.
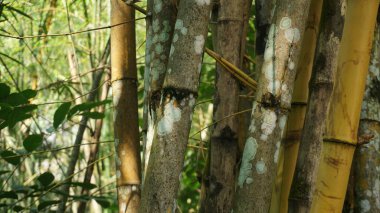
{"x": 271, "y": 106}
{"x": 321, "y": 86}
{"x": 174, "y": 105}
{"x": 227, "y": 36}
{"x": 290, "y": 142}
{"x": 366, "y": 166}
{"x": 124, "y": 93}
{"x": 340, "y": 139}
{"x": 160, "y": 29}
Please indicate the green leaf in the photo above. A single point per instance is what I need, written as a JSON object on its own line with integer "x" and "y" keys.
{"x": 88, "y": 186}
{"x": 19, "y": 12}
{"x": 4, "y": 172}
{"x": 60, "y": 114}
{"x": 47, "y": 203}
{"x": 4, "y": 90}
{"x": 32, "y": 142}
{"x": 9, "y": 194}
{"x": 18, "y": 208}
{"x": 86, "y": 106}
{"x": 93, "y": 115}
{"x": 102, "y": 201}
{"x": 10, "y": 157}
{"x": 28, "y": 93}
{"x": 46, "y": 179}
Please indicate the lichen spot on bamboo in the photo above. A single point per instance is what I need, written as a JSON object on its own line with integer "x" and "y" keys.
{"x": 191, "y": 100}
{"x": 277, "y": 153}
{"x": 261, "y": 168}
{"x": 365, "y": 206}
{"x": 164, "y": 36}
{"x": 157, "y": 6}
{"x": 268, "y": 124}
{"x": 292, "y": 35}
{"x": 203, "y": 2}
{"x": 245, "y": 174}
{"x": 179, "y": 26}
{"x": 198, "y": 44}
{"x": 158, "y": 48}
{"x": 118, "y": 174}
{"x": 175, "y": 37}
{"x": 172, "y": 114}
{"x": 285, "y": 23}
{"x": 172, "y": 49}
{"x": 156, "y": 25}
{"x": 291, "y": 65}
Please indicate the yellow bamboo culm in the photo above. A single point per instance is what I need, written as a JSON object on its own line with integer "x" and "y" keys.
{"x": 342, "y": 123}
{"x": 236, "y": 72}
{"x": 292, "y": 137}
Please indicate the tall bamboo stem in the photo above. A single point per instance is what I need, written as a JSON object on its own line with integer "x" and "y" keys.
{"x": 366, "y": 167}
{"x": 174, "y": 105}
{"x": 290, "y": 143}
{"x": 342, "y": 123}
{"x": 124, "y": 93}
{"x": 220, "y": 185}
{"x": 321, "y": 86}
{"x": 271, "y": 106}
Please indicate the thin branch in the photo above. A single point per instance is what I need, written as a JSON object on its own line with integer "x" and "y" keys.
{"x": 73, "y": 33}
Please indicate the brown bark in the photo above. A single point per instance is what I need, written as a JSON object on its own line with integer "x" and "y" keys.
{"x": 220, "y": 182}
{"x": 160, "y": 28}
{"x": 270, "y": 109}
{"x": 174, "y": 105}
{"x": 124, "y": 92}
{"x": 321, "y": 86}
{"x": 366, "y": 168}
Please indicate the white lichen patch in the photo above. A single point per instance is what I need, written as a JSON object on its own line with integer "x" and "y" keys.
{"x": 164, "y": 36}
{"x": 172, "y": 114}
{"x": 157, "y": 6}
{"x": 175, "y": 37}
{"x": 118, "y": 174}
{"x": 277, "y": 153}
{"x": 268, "y": 64}
{"x": 245, "y": 174}
{"x": 273, "y": 86}
{"x": 156, "y": 25}
{"x": 291, "y": 65}
{"x": 171, "y": 51}
{"x": 191, "y": 100}
{"x": 268, "y": 124}
{"x": 158, "y": 48}
{"x": 199, "y": 43}
{"x": 365, "y": 206}
{"x": 292, "y": 35}
{"x": 179, "y": 26}
{"x": 261, "y": 168}
{"x": 285, "y": 23}
{"x": 203, "y": 2}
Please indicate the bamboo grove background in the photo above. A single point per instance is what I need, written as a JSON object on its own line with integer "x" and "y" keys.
{"x": 264, "y": 106}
